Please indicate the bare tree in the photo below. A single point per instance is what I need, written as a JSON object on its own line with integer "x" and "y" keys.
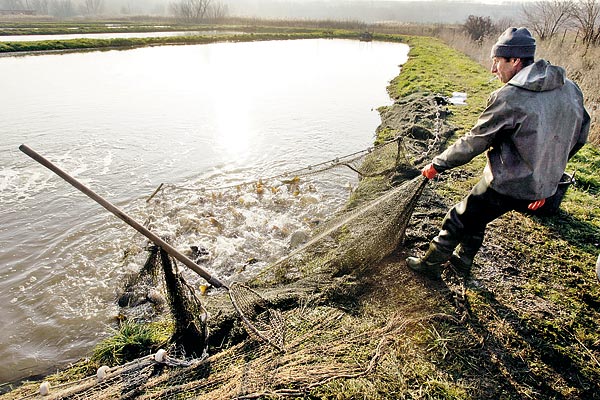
{"x": 587, "y": 17}
{"x": 198, "y": 10}
{"x": 503, "y": 23}
{"x": 478, "y": 27}
{"x": 218, "y": 10}
{"x": 546, "y": 18}
{"x": 190, "y": 10}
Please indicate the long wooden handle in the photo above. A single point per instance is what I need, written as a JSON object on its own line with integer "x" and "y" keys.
{"x": 121, "y": 215}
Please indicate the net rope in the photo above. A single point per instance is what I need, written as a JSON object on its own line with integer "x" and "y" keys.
{"x": 353, "y": 161}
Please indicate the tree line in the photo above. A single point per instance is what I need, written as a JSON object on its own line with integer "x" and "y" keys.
{"x": 183, "y": 10}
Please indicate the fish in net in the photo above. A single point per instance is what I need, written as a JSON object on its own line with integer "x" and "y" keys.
{"x": 354, "y": 239}
{"x": 314, "y": 354}
{"x": 266, "y": 324}
{"x": 377, "y": 161}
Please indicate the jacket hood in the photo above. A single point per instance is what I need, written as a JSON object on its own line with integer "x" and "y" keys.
{"x": 540, "y": 76}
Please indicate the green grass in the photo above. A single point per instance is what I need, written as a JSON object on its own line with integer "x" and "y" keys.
{"x": 131, "y": 341}
{"x": 586, "y": 164}
{"x": 434, "y": 68}
{"x": 89, "y": 44}
{"x": 54, "y": 28}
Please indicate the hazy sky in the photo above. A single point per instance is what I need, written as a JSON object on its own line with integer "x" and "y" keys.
{"x": 424, "y": 11}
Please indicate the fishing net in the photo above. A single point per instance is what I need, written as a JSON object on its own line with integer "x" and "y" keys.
{"x": 261, "y": 320}
{"x": 239, "y": 229}
{"x": 316, "y": 341}
{"x": 244, "y": 371}
{"x": 324, "y": 344}
{"x": 158, "y": 284}
{"x": 190, "y": 317}
{"x": 354, "y": 239}
{"x": 387, "y": 156}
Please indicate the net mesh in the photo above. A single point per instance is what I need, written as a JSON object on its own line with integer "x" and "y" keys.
{"x": 262, "y": 321}
{"x": 323, "y": 345}
{"x": 189, "y": 315}
{"x": 322, "y": 342}
{"x": 354, "y": 239}
{"x": 159, "y": 285}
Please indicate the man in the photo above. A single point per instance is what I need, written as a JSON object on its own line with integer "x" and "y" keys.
{"x": 530, "y": 128}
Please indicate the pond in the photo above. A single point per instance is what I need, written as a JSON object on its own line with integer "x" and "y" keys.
{"x": 123, "y": 122}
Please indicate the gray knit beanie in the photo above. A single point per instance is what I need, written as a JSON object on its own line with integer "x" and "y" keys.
{"x": 514, "y": 43}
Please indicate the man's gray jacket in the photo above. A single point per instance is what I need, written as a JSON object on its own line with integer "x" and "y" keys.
{"x": 531, "y": 127}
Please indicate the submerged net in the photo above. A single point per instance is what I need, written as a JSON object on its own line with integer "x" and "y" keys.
{"x": 191, "y": 332}
{"x": 316, "y": 342}
{"x": 157, "y": 285}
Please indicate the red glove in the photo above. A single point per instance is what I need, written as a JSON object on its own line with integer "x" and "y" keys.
{"x": 429, "y": 171}
{"x": 536, "y": 204}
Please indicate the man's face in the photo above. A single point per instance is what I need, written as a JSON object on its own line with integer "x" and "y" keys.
{"x": 504, "y": 68}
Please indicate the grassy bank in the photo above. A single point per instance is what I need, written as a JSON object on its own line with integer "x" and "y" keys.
{"x": 523, "y": 326}
{"x": 534, "y": 300}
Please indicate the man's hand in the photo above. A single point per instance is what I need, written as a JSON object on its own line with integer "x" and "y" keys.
{"x": 429, "y": 171}
{"x": 536, "y": 204}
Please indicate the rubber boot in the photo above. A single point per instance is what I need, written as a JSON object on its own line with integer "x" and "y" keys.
{"x": 462, "y": 257}
{"x": 461, "y": 262}
{"x": 430, "y": 264}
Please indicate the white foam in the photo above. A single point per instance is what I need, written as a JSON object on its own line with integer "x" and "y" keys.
{"x": 106, "y": 163}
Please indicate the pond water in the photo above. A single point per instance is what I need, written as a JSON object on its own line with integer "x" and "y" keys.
{"x": 122, "y": 122}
